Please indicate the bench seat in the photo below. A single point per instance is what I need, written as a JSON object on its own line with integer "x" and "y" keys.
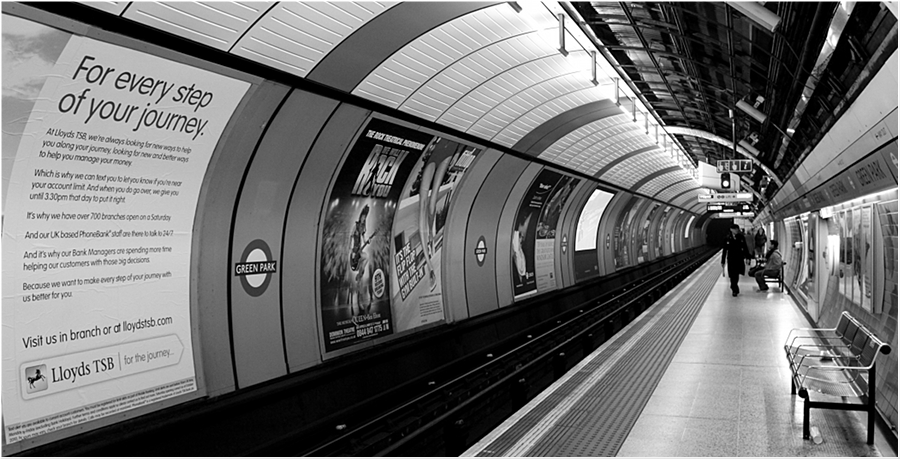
{"x": 838, "y": 362}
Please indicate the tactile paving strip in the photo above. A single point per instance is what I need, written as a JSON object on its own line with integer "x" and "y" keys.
{"x": 608, "y": 399}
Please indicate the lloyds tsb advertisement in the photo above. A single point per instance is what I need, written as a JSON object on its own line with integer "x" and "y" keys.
{"x": 356, "y": 234}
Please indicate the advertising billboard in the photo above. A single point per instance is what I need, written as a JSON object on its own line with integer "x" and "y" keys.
{"x": 382, "y": 238}
{"x": 98, "y": 216}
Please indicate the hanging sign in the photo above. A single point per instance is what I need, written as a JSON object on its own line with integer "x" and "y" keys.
{"x": 725, "y": 197}
{"x": 734, "y": 165}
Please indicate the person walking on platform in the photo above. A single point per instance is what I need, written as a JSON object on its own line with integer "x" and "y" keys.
{"x": 773, "y": 266}
{"x": 735, "y": 255}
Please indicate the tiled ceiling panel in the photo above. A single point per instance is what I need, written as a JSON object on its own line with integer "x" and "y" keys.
{"x": 616, "y": 146}
{"x": 295, "y": 36}
{"x": 421, "y": 60}
{"x": 437, "y": 95}
{"x": 496, "y": 73}
{"x": 674, "y": 190}
{"x": 215, "y": 24}
{"x": 632, "y": 170}
{"x": 687, "y": 199}
{"x": 583, "y": 149}
{"x": 659, "y": 183}
{"x": 546, "y": 111}
{"x": 110, "y": 7}
{"x": 536, "y": 80}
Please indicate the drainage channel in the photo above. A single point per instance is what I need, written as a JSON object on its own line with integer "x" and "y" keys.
{"x": 607, "y": 390}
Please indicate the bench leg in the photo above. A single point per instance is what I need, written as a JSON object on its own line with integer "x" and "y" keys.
{"x": 870, "y": 435}
{"x": 793, "y": 386}
{"x": 806, "y": 419}
{"x": 870, "y": 412}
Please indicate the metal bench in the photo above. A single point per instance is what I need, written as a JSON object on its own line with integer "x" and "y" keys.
{"x": 760, "y": 262}
{"x": 778, "y": 280}
{"x": 836, "y": 361}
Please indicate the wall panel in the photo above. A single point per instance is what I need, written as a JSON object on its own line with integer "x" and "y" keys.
{"x": 301, "y": 256}
{"x": 481, "y": 280}
{"x": 571, "y": 215}
{"x": 609, "y": 225}
{"x": 215, "y": 213}
{"x": 505, "y": 227}
{"x": 304, "y": 119}
{"x": 457, "y": 253}
{"x": 258, "y": 331}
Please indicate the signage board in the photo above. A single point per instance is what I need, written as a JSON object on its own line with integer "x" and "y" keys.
{"x": 734, "y": 165}
{"x": 728, "y": 208}
{"x": 734, "y": 215}
{"x": 725, "y": 197}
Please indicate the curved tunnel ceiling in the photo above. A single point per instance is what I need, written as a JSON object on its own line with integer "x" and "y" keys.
{"x": 487, "y": 69}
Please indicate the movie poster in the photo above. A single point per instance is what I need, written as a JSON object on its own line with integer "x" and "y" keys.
{"x": 545, "y": 240}
{"x": 418, "y": 232}
{"x": 524, "y": 232}
{"x": 357, "y": 233}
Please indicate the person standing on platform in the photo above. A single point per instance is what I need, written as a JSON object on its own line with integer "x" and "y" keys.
{"x": 735, "y": 255}
{"x": 760, "y": 242}
{"x": 773, "y": 266}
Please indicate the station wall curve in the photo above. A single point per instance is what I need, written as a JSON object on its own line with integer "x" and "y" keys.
{"x": 324, "y": 226}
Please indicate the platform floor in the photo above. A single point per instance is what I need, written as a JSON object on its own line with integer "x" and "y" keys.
{"x": 726, "y": 391}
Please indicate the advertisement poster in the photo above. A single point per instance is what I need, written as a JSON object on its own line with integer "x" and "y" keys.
{"x": 545, "y": 240}
{"x": 856, "y": 257}
{"x": 867, "y": 256}
{"x": 418, "y": 232}
{"x": 525, "y": 231}
{"x": 833, "y": 247}
{"x": 644, "y": 253}
{"x": 357, "y": 258}
{"x": 589, "y": 221}
{"x": 810, "y": 288}
{"x": 623, "y": 235}
{"x": 585, "y": 258}
{"x": 99, "y": 209}
{"x": 845, "y": 265}
{"x": 660, "y": 230}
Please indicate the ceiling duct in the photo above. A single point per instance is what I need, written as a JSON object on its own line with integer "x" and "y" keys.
{"x": 758, "y": 13}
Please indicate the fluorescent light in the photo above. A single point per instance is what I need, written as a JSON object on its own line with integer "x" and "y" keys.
{"x": 748, "y": 109}
{"x": 749, "y": 148}
{"x": 758, "y": 14}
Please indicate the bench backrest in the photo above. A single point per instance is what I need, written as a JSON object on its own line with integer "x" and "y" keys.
{"x": 843, "y": 324}
{"x": 861, "y": 342}
{"x": 850, "y": 333}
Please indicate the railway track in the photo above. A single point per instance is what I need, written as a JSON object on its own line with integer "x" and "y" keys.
{"x": 448, "y": 409}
